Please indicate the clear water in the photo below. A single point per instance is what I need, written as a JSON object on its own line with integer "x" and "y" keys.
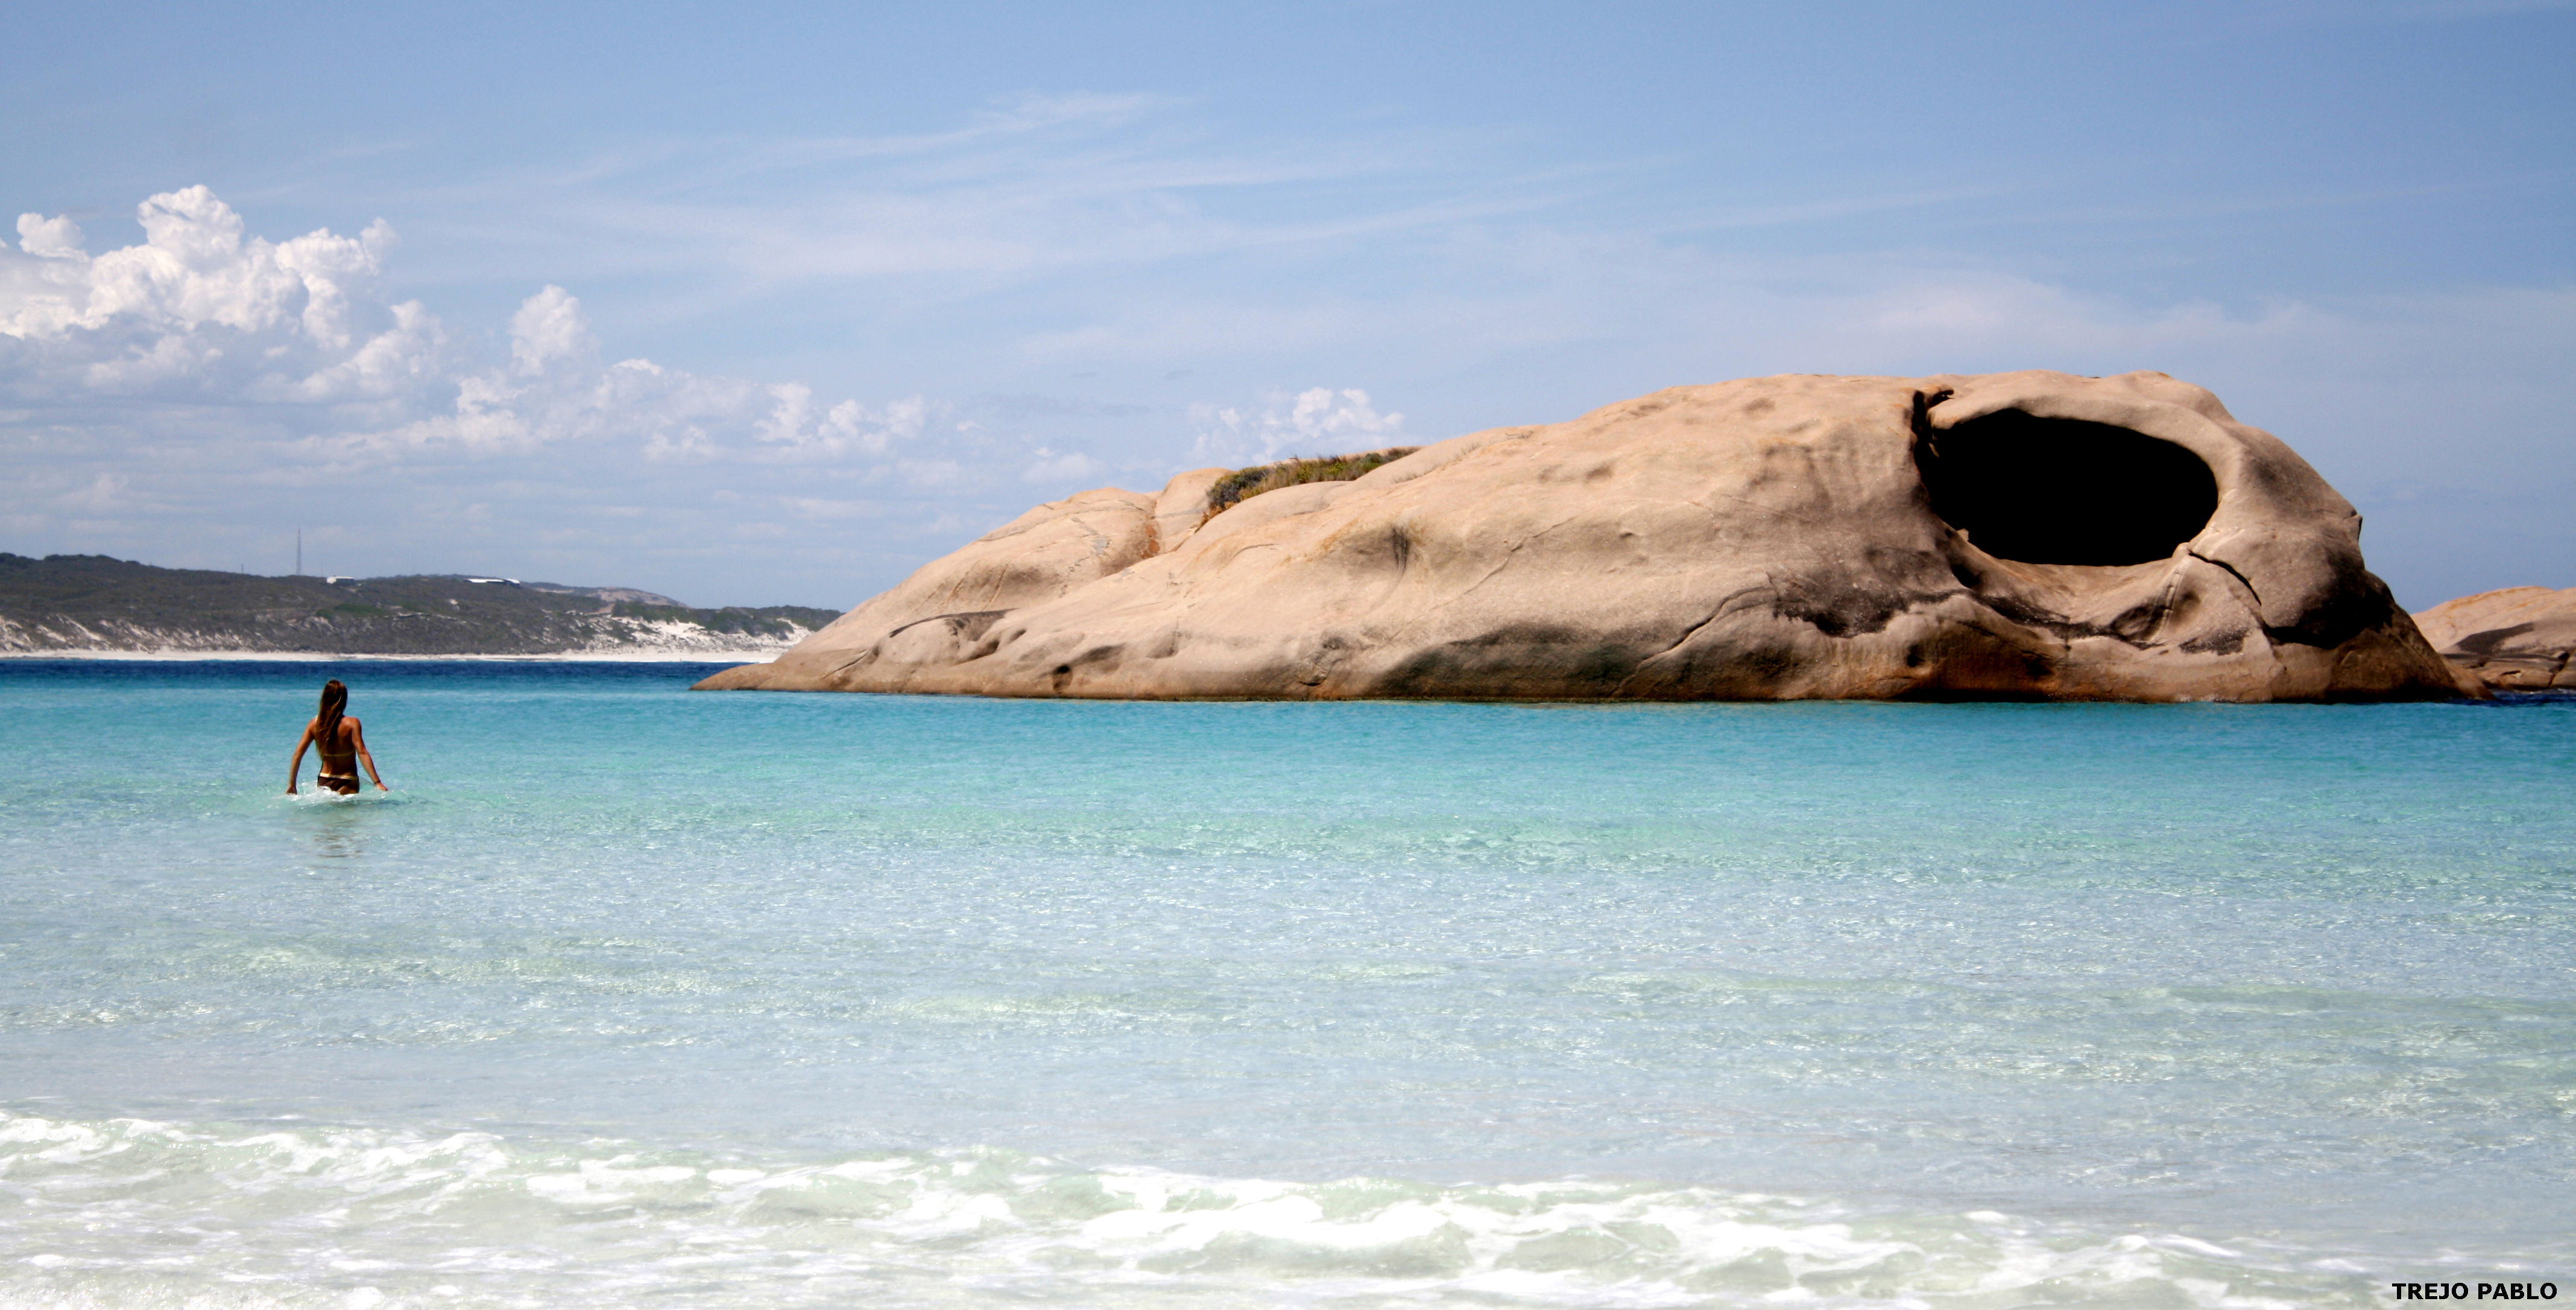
{"x": 630, "y": 996}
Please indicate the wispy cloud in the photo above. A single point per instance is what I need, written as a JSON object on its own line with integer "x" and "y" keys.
{"x": 1747, "y": 217}
{"x": 1033, "y": 189}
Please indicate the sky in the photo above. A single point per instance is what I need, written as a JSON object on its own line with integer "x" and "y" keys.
{"x": 773, "y": 305}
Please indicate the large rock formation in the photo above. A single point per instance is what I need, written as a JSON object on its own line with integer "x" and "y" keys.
{"x": 2018, "y": 535}
{"x": 2517, "y": 639}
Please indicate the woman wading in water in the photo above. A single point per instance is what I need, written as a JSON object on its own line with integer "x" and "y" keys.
{"x": 336, "y": 737}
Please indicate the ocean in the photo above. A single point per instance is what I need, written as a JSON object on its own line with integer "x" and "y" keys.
{"x": 628, "y": 996}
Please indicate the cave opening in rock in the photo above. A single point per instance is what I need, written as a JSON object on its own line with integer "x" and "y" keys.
{"x": 2063, "y": 491}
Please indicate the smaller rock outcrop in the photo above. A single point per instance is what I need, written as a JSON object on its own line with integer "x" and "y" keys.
{"x": 2516, "y": 639}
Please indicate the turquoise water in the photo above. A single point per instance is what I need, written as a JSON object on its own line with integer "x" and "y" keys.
{"x": 629, "y": 996}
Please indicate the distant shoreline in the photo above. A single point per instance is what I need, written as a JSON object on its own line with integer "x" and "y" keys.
{"x": 308, "y": 656}
{"x": 93, "y": 607}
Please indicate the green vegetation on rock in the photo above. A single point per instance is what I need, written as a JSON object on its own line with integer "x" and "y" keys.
{"x": 1245, "y": 483}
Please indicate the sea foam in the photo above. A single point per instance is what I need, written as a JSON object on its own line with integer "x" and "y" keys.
{"x": 240, "y": 1214}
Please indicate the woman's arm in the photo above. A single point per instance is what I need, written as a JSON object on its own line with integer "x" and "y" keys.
{"x": 358, "y": 738}
{"x": 296, "y": 765}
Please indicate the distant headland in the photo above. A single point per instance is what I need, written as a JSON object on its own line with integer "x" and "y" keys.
{"x": 92, "y": 604}
{"x": 2031, "y": 535}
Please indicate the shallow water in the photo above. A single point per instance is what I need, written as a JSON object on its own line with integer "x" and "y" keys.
{"x": 629, "y": 996}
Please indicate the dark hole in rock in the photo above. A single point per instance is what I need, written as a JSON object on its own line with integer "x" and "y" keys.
{"x": 2062, "y": 491}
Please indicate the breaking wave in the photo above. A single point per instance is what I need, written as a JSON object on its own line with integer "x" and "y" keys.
{"x": 137, "y": 1213}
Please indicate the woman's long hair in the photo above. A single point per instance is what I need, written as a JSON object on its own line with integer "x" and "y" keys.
{"x": 326, "y": 726}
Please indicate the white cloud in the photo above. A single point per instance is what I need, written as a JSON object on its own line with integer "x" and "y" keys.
{"x": 203, "y": 312}
{"x": 549, "y": 328}
{"x": 848, "y": 427}
{"x": 50, "y": 238}
{"x": 404, "y": 357}
{"x": 206, "y": 383}
{"x": 1316, "y": 421}
{"x": 202, "y": 309}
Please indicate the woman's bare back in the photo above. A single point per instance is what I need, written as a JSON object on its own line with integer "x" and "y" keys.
{"x": 342, "y": 748}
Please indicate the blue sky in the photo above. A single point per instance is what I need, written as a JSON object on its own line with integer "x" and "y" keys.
{"x": 774, "y": 306}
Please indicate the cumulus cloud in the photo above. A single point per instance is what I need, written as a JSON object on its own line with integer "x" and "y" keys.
{"x": 50, "y": 238}
{"x": 203, "y": 310}
{"x": 847, "y": 428}
{"x": 548, "y": 328}
{"x": 1318, "y": 420}
{"x": 217, "y": 374}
